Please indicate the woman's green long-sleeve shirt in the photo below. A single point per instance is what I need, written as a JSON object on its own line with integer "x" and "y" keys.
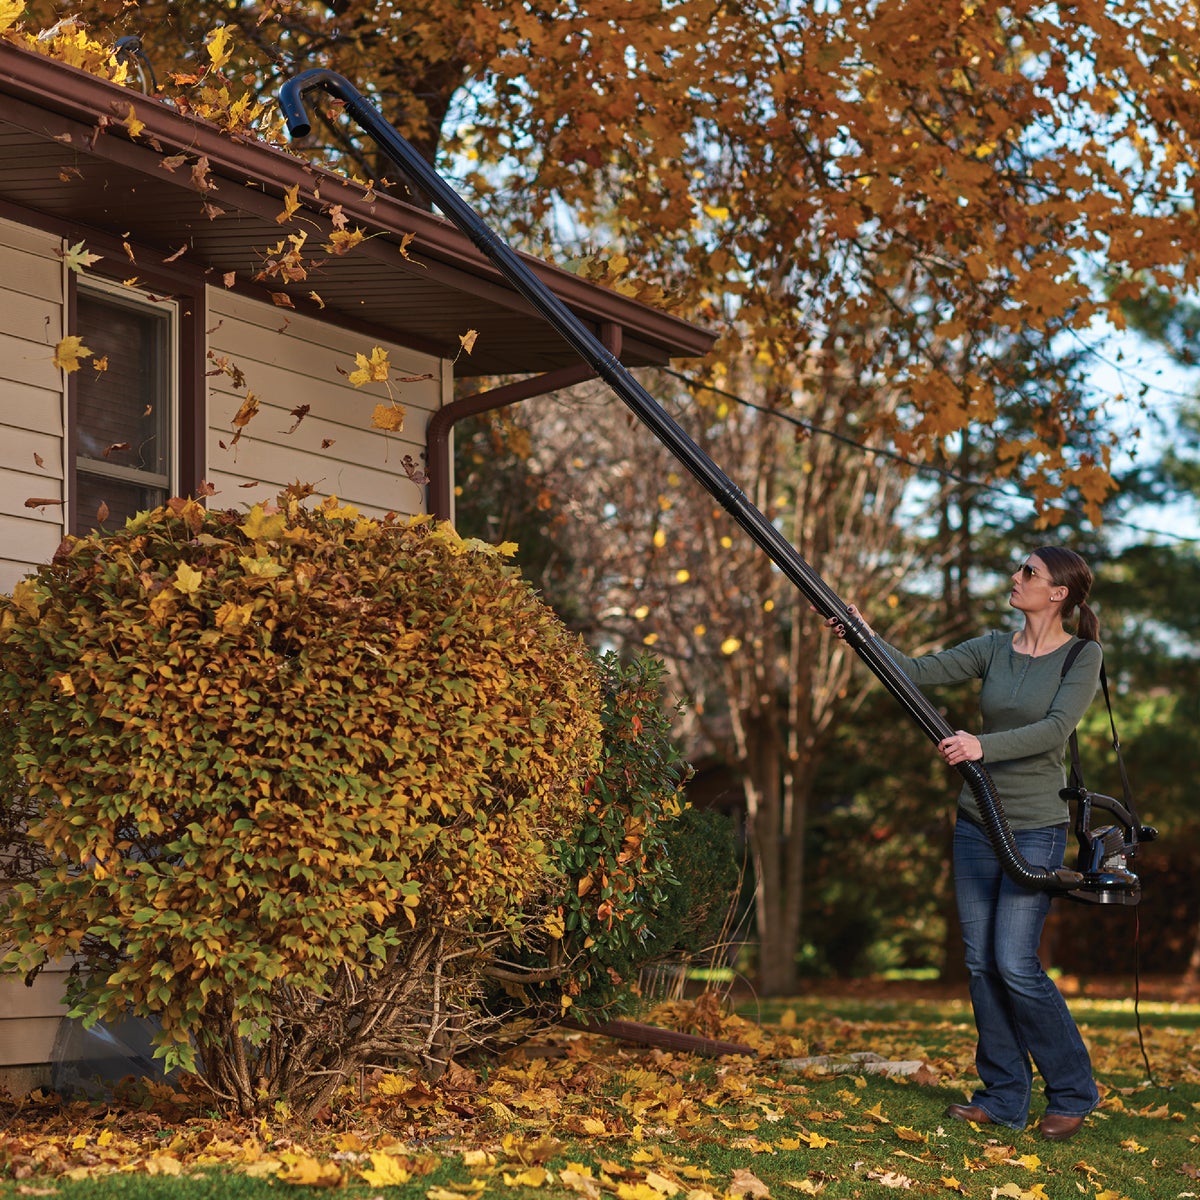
{"x": 1028, "y": 711}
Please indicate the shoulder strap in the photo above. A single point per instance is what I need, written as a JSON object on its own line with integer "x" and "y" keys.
{"x": 1076, "y": 779}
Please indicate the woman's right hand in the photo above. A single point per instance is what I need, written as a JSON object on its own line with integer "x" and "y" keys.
{"x": 839, "y": 627}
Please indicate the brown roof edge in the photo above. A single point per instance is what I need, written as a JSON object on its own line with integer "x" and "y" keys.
{"x": 77, "y": 94}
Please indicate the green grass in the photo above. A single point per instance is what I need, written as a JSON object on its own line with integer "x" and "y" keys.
{"x": 643, "y": 1122}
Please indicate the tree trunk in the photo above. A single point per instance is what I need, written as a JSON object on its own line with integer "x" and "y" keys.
{"x": 777, "y": 812}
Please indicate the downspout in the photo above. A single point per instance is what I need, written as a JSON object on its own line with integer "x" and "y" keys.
{"x": 441, "y": 424}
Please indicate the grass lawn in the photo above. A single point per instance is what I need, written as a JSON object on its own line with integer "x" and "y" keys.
{"x": 583, "y": 1116}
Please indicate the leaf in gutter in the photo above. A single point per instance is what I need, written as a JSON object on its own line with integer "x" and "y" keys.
{"x": 172, "y": 162}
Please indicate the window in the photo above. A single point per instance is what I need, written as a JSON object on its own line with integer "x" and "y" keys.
{"x": 124, "y": 424}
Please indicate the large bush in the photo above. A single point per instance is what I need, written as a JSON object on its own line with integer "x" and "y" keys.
{"x": 646, "y": 878}
{"x": 282, "y": 780}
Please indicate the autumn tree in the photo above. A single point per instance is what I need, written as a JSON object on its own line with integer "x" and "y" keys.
{"x": 896, "y": 191}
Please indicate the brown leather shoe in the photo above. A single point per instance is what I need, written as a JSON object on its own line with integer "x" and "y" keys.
{"x": 969, "y": 1112}
{"x": 1057, "y": 1127}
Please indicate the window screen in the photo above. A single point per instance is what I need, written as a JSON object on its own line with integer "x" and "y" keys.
{"x": 123, "y": 412}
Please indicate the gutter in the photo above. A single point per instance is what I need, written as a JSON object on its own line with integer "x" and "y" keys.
{"x": 441, "y": 425}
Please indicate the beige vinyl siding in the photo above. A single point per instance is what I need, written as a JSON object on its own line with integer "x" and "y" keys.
{"x": 31, "y": 401}
{"x": 289, "y": 361}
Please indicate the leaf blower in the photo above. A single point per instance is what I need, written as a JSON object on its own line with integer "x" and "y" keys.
{"x": 1102, "y": 876}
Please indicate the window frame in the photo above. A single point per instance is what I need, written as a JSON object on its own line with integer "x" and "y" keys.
{"x": 185, "y": 374}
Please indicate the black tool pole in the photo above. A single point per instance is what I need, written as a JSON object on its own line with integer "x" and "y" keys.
{"x": 680, "y": 444}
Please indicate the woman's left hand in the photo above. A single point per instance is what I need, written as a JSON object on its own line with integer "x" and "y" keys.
{"x": 961, "y": 746}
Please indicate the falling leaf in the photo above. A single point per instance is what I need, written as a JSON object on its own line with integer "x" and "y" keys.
{"x": 182, "y": 250}
{"x": 247, "y": 411}
{"x": 467, "y": 340}
{"x": 77, "y": 258}
{"x": 389, "y": 417}
{"x": 341, "y": 241}
{"x": 37, "y": 458}
{"x": 114, "y": 447}
{"x": 405, "y": 242}
{"x": 316, "y": 299}
{"x": 218, "y": 45}
{"x": 100, "y": 365}
{"x": 370, "y": 370}
{"x": 229, "y": 278}
{"x": 41, "y": 502}
{"x": 299, "y": 412}
{"x": 327, "y": 442}
{"x": 68, "y": 352}
{"x": 102, "y": 513}
{"x": 291, "y": 204}
{"x": 282, "y": 300}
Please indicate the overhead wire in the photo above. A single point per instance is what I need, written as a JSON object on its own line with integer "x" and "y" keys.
{"x": 925, "y": 468}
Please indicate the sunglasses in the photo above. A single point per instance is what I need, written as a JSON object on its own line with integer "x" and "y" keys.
{"x": 1028, "y": 571}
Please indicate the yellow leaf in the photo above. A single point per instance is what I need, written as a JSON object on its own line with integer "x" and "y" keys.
{"x": 661, "y": 1184}
{"x": 219, "y": 49}
{"x": 807, "y": 1186}
{"x": 579, "y": 1179}
{"x": 67, "y": 687}
{"x": 306, "y": 1171}
{"x": 133, "y": 123}
{"x": 10, "y": 13}
{"x": 68, "y": 352}
{"x": 259, "y": 526}
{"x": 343, "y": 240}
{"x": 388, "y": 416}
{"x": 233, "y": 618}
{"x": 291, "y": 202}
{"x": 163, "y": 1164}
{"x": 187, "y": 580}
{"x": 370, "y": 370}
{"x": 385, "y": 1171}
{"x": 906, "y": 1134}
{"x": 467, "y": 340}
{"x": 78, "y": 259}
{"x": 441, "y": 1193}
{"x": 246, "y": 413}
{"x": 27, "y": 597}
{"x": 531, "y": 1177}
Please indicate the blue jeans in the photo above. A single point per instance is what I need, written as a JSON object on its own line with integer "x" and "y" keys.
{"x": 1019, "y": 1013}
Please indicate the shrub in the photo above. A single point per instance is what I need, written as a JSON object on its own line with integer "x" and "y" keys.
{"x": 286, "y": 779}
{"x": 647, "y": 879}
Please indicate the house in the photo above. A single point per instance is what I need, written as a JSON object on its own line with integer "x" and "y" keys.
{"x": 162, "y": 244}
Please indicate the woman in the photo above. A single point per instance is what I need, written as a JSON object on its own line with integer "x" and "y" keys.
{"x": 1029, "y": 708}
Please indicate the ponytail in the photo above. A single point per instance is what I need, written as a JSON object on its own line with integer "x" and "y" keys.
{"x": 1089, "y": 624}
{"x": 1067, "y": 569}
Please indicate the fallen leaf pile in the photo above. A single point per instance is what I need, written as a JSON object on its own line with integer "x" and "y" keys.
{"x": 646, "y": 1121}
